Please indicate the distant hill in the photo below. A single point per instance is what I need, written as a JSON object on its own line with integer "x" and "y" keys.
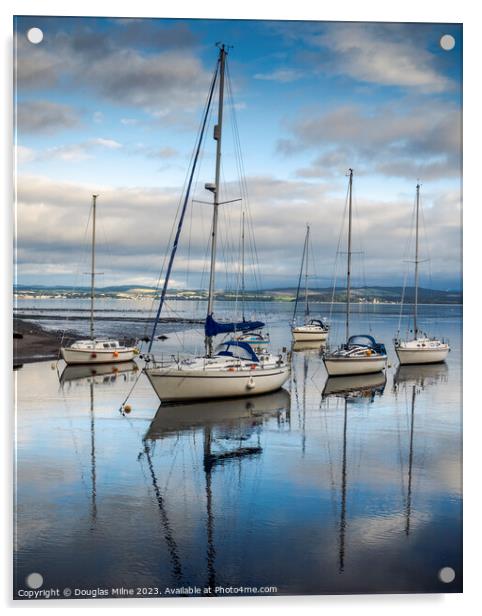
{"x": 374, "y": 294}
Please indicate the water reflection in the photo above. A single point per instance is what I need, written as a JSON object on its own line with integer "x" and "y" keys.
{"x": 421, "y": 375}
{"x": 98, "y": 374}
{"x": 230, "y": 431}
{"x": 94, "y": 376}
{"x": 415, "y": 379}
{"x": 354, "y": 390}
{"x": 308, "y": 345}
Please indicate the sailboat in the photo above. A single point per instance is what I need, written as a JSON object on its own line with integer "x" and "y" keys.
{"x": 360, "y": 354}
{"x": 96, "y": 350}
{"x": 258, "y": 340}
{"x": 421, "y": 349}
{"x": 233, "y": 368}
{"x": 312, "y": 329}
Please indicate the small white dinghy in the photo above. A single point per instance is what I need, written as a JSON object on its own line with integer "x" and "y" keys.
{"x": 314, "y": 330}
{"x": 422, "y": 349}
{"x": 95, "y": 350}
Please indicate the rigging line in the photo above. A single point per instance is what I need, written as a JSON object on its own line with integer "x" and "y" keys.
{"x": 192, "y": 165}
{"x": 405, "y": 276}
{"x": 338, "y": 246}
{"x": 300, "y": 275}
{"x": 245, "y": 191}
{"x": 183, "y": 211}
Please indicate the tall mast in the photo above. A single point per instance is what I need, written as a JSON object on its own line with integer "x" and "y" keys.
{"x": 348, "y": 269}
{"x": 217, "y": 136}
{"x": 415, "y": 307}
{"x": 300, "y": 276}
{"x": 307, "y": 308}
{"x": 242, "y": 267}
{"x": 92, "y": 273}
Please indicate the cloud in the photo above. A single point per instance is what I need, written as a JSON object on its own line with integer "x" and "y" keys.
{"x": 164, "y": 153}
{"x": 162, "y": 75}
{"x": 381, "y": 54}
{"x": 398, "y": 141}
{"x": 136, "y": 224}
{"x": 69, "y": 152}
{"x": 110, "y": 144}
{"x": 45, "y": 117}
{"x": 285, "y": 75}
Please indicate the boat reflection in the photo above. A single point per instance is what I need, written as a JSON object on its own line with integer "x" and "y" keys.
{"x": 420, "y": 374}
{"x": 230, "y": 431}
{"x": 355, "y": 386}
{"x": 308, "y": 345}
{"x": 353, "y": 389}
{"x": 99, "y": 374}
{"x": 218, "y": 414}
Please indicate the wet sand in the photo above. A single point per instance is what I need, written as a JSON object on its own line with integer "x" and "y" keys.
{"x": 36, "y": 343}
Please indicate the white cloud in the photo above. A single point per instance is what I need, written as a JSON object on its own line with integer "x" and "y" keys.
{"x": 385, "y": 54}
{"x": 110, "y": 144}
{"x": 283, "y": 75}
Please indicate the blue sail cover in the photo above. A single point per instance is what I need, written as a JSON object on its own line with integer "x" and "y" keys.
{"x": 213, "y": 328}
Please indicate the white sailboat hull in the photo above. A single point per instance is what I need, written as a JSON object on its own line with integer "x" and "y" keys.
{"x": 304, "y": 334}
{"x": 174, "y": 384}
{"x": 421, "y": 355}
{"x": 85, "y": 356}
{"x": 339, "y": 366}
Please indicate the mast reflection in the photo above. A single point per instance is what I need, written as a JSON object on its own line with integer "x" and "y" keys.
{"x": 233, "y": 423}
{"x": 354, "y": 390}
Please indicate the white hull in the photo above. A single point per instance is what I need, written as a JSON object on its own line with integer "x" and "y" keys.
{"x": 421, "y": 356}
{"x": 302, "y": 335}
{"x": 174, "y": 384}
{"x": 354, "y": 365}
{"x": 86, "y": 356}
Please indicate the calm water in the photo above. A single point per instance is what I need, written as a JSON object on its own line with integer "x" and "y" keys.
{"x": 327, "y": 486}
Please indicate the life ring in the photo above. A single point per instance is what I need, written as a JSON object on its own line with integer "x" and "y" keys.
{"x": 253, "y": 366}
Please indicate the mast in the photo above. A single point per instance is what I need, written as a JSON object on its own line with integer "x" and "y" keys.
{"x": 307, "y": 308}
{"x": 242, "y": 267}
{"x": 348, "y": 269}
{"x": 215, "y": 190}
{"x": 415, "y": 307}
{"x": 301, "y": 273}
{"x": 92, "y": 272}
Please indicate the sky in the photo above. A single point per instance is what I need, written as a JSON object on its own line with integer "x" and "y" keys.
{"x": 113, "y": 107}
